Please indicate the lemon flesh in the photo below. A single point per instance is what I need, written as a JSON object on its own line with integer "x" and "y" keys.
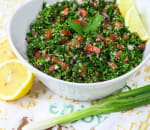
{"x": 124, "y": 6}
{"x": 15, "y": 80}
{"x": 134, "y": 22}
{"x": 5, "y": 51}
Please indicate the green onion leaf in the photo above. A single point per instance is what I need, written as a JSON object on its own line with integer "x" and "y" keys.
{"x": 119, "y": 102}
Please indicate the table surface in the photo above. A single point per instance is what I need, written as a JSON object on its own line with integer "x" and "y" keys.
{"x": 41, "y": 103}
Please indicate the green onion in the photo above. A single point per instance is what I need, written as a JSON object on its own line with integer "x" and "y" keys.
{"x": 120, "y": 102}
{"x": 122, "y": 95}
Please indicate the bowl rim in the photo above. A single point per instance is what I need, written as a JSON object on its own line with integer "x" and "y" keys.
{"x": 26, "y": 63}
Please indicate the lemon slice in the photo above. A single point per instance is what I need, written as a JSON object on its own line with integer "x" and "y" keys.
{"x": 15, "y": 80}
{"x": 5, "y": 51}
{"x": 134, "y": 22}
{"x": 124, "y": 6}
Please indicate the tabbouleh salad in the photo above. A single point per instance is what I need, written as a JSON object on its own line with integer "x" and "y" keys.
{"x": 83, "y": 43}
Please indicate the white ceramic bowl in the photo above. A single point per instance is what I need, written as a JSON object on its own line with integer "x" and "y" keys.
{"x": 19, "y": 26}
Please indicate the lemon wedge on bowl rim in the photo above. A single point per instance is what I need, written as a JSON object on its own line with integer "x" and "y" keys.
{"x": 132, "y": 18}
{"x": 124, "y": 6}
{"x": 15, "y": 80}
{"x": 135, "y": 24}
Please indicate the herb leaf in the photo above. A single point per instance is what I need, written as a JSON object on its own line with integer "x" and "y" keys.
{"x": 93, "y": 24}
{"x": 75, "y": 26}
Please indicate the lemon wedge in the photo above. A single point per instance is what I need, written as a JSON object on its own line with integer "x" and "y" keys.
{"x": 124, "y": 6}
{"x": 5, "y": 51}
{"x": 134, "y": 22}
{"x": 15, "y": 80}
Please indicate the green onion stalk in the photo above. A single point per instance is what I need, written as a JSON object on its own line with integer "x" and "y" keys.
{"x": 120, "y": 102}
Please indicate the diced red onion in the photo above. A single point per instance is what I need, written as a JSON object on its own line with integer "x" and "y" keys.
{"x": 89, "y": 54}
{"x": 28, "y": 40}
{"x": 71, "y": 61}
{"x": 41, "y": 37}
{"x": 54, "y": 72}
{"x": 114, "y": 53}
{"x": 47, "y": 59}
{"x": 104, "y": 14}
{"x": 79, "y": 9}
{"x": 130, "y": 47}
{"x": 97, "y": 40}
{"x": 35, "y": 34}
{"x": 106, "y": 20}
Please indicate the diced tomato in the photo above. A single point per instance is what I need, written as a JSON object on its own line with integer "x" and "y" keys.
{"x": 108, "y": 26}
{"x": 118, "y": 10}
{"x": 101, "y": 9}
{"x": 53, "y": 22}
{"x": 83, "y": 12}
{"x": 112, "y": 65}
{"x": 37, "y": 54}
{"x": 142, "y": 46}
{"x": 126, "y": 61}
{"x": 62, "y": 64}
{"x": 80, "y": 38}
{"x": 96, "y": 81}
{"x": 65, "y": 7}
{"x": 106, "y": 41}
{"x": 95, "y": 4}
{"x": 44, "y": 54}
{"x": 63, "y": 41}
{"x": 77, "y": 21}
{"x": 94, "y": 49}
{"x": 112, "y": 5}
{"x": 76, "y": 43}
{"x": 68, "y": 50}
{"x": 55, "y": 60}
{"x": 113, "y": 37}
{"x": 65, "y": 32}
{"x": 52, "y": 68}
{"x": 83, "y": 70}
{"x": 70, "y": 44}
{"x": 117, "y": 24}
{"x": 65, "y": 12}
{"x": 120, "y": 47}
{"x": 48, "y": 33}
{"x": 118, "y": 54}
{"x": 83, "y": 23}
{"x": 113, "y": 44}
{"x": 99, "y": 38}
{"x": 35, "y": 34}
{"x": 126, "y": 36}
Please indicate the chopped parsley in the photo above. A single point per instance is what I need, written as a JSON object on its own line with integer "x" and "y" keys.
{"x": 83, "y": 43}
